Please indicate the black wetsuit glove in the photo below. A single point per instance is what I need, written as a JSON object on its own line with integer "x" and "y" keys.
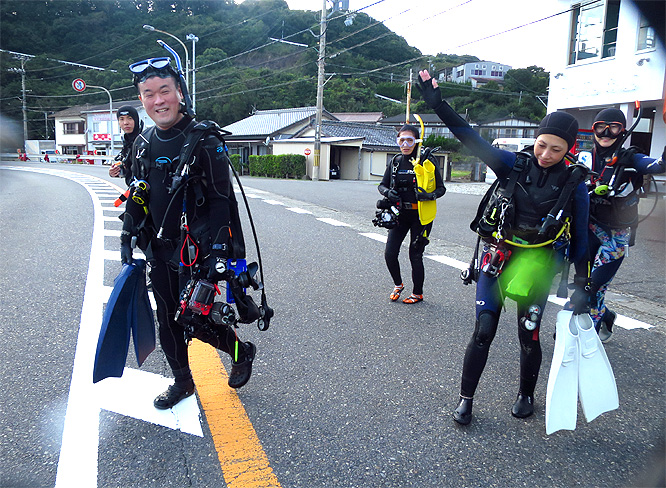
{"x": 393, "y": 196}
{"x": 431, "y": 95}
{"x": 125, "y": 247}
{"x": 581, "y": 297}
{"x": 422, "y": 196}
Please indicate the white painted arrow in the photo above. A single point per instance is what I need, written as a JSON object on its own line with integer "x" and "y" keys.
{"x": 132, "y": 395}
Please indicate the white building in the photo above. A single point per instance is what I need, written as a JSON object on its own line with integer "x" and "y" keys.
{"x": 478, "y": 73}
{"x": 611, "y": 58}
{"x": 88, "y": 129}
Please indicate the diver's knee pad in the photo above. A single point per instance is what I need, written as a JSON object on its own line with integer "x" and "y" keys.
{"x": 486, "y": 327}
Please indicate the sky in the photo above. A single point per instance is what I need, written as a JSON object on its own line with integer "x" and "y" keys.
{"x": 458, "y": 26}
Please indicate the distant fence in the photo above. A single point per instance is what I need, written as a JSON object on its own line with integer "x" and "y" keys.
{"x": 59, "y": 158}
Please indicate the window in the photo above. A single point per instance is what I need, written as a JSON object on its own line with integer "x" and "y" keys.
{"x": 593, "y": 30}
{"x": 645, "y": 35}
{"x": 96, "y": 127}
{"x": 72, "y": 128}
{"x": 610, "y": 29}
{"x": 71, "y": 150}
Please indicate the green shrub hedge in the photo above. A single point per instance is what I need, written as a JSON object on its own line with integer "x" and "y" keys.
{"x": 278, "y": 166}
{"x": 236, "y": 162}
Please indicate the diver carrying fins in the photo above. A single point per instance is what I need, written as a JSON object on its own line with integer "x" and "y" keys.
{"x": 580, "y": 370}
{"x": 182, "y": 212}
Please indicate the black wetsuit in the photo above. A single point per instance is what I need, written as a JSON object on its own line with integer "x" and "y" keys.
{"x": 125, "y": 155}
{"x": 211, "y": 214}
{"x": 403, "y": 179}
{"x": 536, "y": 191}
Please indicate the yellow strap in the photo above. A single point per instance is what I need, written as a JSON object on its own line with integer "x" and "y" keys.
{"x": 565, "y": 226}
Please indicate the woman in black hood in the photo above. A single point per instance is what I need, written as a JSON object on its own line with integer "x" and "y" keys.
{"x": 128, "y": 120}
{"x": 400, "y": 188}
{"x": 613, "y": 211}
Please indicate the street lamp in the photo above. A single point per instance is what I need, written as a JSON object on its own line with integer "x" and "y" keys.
{"x": 187, "y": 57}
{"x": 193, "y": 91}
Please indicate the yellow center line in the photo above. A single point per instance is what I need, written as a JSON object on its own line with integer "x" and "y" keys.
{"x": 242, "y": 458}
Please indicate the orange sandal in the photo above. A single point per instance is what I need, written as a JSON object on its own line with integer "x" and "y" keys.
{"x": 395, "y": 294}
{"x": 413, "y": 299}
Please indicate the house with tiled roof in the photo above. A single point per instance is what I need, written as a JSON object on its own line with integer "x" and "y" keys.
{"x": 253, "y": 135}
{"x": 349, "y": 150}
{"x": 365, "y": 117}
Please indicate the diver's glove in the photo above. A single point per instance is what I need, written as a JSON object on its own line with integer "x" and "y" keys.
{"x": 422, "y": 196}
{"x": 431, "y": 95}
{"x": 125, "y": 247}
{"x": 217, "y": 267}
{"x": 582, "y": 296}
{"x": 393, "y": 196}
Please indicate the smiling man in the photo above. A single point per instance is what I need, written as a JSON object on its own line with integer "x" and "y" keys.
{"x": 183, "y": 225}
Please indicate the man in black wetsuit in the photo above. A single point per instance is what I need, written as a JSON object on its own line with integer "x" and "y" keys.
{"x": 170, "y": 224}
{"x": 128, "y": 120}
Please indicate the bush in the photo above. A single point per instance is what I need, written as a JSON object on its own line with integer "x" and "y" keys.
{"x": 236, "y": 162}
{"x": 278, "y": 166}
{"x": 445, "y": 143}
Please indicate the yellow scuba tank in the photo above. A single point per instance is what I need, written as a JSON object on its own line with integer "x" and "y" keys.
{"x": 425, "y": 180}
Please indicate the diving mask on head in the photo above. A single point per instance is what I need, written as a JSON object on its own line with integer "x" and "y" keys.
{"x": 160, "y": 67}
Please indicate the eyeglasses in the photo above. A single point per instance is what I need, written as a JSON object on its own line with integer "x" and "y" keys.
{"x": 406, "y": 141}
{"x": 614, "y": 128}
{"x": 157, "y": 63}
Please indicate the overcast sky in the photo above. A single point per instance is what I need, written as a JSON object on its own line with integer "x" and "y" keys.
{"x": 458, "y": 26}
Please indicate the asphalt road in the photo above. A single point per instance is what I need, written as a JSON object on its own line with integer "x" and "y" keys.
{"x": 349, "y": 390}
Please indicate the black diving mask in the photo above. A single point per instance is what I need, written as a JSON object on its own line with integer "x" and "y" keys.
{"x": 607, "y": 129}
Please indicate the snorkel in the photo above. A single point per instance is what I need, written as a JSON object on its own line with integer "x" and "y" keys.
{"x": 627, "y": 133}
{"x": 188, "y": 110}
{"x": 420, "y": 141}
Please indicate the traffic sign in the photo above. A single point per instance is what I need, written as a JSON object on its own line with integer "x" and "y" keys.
{"x": 307, "y": 151}
{"x": 79, "y": 85}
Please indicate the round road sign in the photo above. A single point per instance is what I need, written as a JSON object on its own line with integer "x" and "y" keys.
{"x": 307, "y": 151}
{"x": 79, "y": 85}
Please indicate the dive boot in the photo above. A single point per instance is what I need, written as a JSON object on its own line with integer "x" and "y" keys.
{"x": 606, "y": 325}
{"x": 173, "y": 395}
{"x": 524, "y": 406}
{"x": 242, "y": 370}
{"x": 463, "y": 413}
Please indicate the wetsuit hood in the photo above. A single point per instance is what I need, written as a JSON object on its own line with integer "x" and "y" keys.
{"x": 131, "y": 111}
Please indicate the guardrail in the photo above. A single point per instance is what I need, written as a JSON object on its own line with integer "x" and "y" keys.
{"x": 58, "y": 158}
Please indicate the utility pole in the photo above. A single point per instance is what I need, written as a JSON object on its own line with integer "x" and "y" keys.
{"x": 320, "y": 94}
{"x": 409, "y": 97}
{"x": 23, "y": 102}
{"x": 24, "y": 107}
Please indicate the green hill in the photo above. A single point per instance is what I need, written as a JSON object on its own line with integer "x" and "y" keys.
{"x": 238, "y": 67}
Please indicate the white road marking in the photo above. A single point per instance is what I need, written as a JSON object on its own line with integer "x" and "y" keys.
{"x": 333, "y": 222}
{"x": 143, "y": 387}
{"x": 454, "y": 263}
{"x": 299, "y": 210}
{"x": 130, "y": 395}
{"x": 377, "y": 237}
{"x": 274, "y": 202}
